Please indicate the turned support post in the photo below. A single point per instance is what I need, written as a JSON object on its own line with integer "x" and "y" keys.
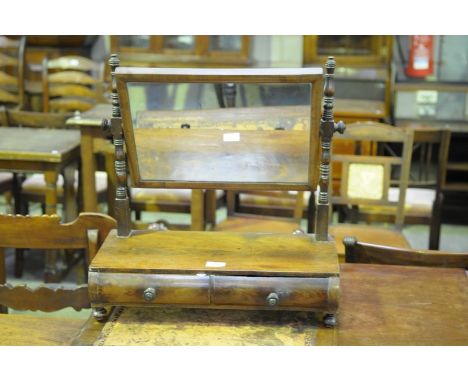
{"x": 327, "y": 129}
{"x": 122, "y": 202}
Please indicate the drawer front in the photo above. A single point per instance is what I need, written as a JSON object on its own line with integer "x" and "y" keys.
{"x": 275, "y": 292}
{"x": 147, "y": 289}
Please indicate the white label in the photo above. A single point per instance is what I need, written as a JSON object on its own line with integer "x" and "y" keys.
{"x": 231, "y": 137}
{"x": 426, "y": 96}
{"x": 215, "y": 264}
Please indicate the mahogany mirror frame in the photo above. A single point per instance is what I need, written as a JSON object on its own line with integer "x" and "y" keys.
{"x": 311, "y": 76}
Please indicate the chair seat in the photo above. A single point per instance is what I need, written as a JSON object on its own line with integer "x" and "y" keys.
{"x": 273, "y": 199}
{"x": 29, "y": 330}
{"x": 36, "y": 184}
{"x": 159, "y": 195}
{"x": 253, "y": 224}
{"x": 419, "y": 202}
{"x": 368, "y": 234}
{"x": 6, "y": 179}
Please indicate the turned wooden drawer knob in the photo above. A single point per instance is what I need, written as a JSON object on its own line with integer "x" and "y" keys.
{"x": 272, "y": 299}
{"x": 149, "y": 294}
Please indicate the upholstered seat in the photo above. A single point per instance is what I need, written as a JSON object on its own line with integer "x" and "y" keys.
{"x": 418, "y": 203}
{"x": 35, "y": 184}
{"x": 6, "y": 177}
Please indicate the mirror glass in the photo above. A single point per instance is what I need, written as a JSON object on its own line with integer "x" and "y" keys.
{"x": 242, "y": 132}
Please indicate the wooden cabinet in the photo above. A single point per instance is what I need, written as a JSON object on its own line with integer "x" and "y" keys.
{"x": 363, "y": 76}
{"x": 182, "y": 50}
{"x": 348, "y": 50}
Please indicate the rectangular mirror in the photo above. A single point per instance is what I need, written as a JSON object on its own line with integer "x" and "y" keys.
{"x": 195, "y": 129}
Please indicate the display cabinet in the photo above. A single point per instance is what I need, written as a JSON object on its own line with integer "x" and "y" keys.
{"x": 182, "y": 50}
{"x": 207, "y": 146}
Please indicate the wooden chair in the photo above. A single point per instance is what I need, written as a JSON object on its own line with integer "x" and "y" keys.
{"x": 366, "y": 180}
{"x": 87, "y": 232}
{"x": 173, "y": 200}
{"x": 242, "y": 222}
{"x": 33, "y": 188}
{"x": 363, "y": 252}
{"x": 12, "y": 72}
{"x": 71, "y": 83}
{"x": 423, "y": 197}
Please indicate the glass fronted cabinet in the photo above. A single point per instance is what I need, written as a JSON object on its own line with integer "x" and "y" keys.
{"x": 350, "y": 50}
{"x": 182, "y": 50}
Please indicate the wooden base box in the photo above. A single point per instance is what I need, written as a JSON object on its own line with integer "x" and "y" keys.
{"x": 216, "y": 270}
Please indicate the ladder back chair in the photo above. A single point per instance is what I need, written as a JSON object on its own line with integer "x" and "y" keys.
{"x": 71, "y": 83}
{"x": 12, "y": 67}
{"x": 45, "y": 232}
{"x": 366, "y": 180}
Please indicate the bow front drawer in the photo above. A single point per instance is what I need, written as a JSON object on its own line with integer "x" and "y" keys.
{"x": 142, "y": 289}
{"x": 275, "y": 292}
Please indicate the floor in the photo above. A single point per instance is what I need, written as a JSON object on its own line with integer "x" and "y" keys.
{"x": 453, "y": 238}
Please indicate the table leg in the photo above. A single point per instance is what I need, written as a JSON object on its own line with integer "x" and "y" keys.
{"x": 3, "y": 309}
{"x": 51, "y": 272}
{"x": 69, "y": 196}
{"x": 88, "y": 169}
{"x": 197, "y": 211}
{"x": 210, "y": 207}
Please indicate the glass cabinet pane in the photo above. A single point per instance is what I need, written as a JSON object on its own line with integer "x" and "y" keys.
{"x": 134, "y": 41}
{"x": 179, "y": 42}
{"x": 225, "y": 43}
{"x": 187, "y": 131}
{"x": 344, "y": 45}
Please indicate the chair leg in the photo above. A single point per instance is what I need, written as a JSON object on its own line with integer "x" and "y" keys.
{"x": 3, "y": 309}
{"x": 434, "y": 234}
{"x": 311, "y": 210}
{"x": 22, "y": 208}
{"x": 137, "y": 215}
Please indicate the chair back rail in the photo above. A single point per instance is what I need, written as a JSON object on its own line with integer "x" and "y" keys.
{"x": 360, "y": 252}
{"x": 86, "y": 232}
{"x": 71, "y": 83}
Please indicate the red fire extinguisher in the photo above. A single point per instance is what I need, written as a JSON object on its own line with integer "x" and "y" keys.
{"x": 420, "y": 62}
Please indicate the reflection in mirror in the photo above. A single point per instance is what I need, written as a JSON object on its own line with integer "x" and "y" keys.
{"x": 187, "y": 132}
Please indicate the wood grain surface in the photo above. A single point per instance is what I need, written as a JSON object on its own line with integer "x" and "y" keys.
{"x": 37, "y": 144}
{"x": 26, "y": 330}
{"x": 241, "y": 253}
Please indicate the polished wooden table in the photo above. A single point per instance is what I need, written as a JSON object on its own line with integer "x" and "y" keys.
{"x": 48, "y": 151}
{"x": 93, "y": 140}
{"x": 379, "y": 305}
{"x": 29, "y": 330}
